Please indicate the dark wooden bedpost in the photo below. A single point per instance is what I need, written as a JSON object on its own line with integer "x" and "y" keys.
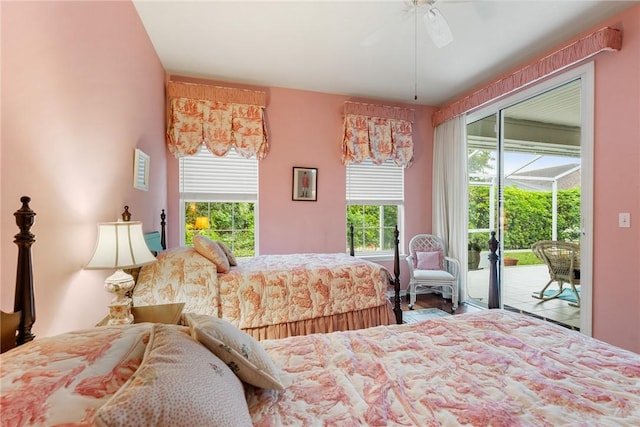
{"x": 494, "y": 288}
{"x": 24, "y": 298}
{"x": 163, "y": 233}
{"x": 351, "y": 244}
{"x": 397, "y": 309}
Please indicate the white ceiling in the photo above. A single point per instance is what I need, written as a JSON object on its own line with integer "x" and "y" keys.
{"x": 320, "y": 45}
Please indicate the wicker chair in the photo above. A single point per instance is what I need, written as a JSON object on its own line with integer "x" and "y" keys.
{"x": 563, "y": 261}
{"x": 441, "y": 273}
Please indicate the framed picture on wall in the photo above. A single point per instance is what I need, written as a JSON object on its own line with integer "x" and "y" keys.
{"x": 305, "y": 184}
{"x": 141, "y": 170}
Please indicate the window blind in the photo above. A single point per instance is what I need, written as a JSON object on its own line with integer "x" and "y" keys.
{"x": 369, "y": 184}
{"x": 205, "y": 177}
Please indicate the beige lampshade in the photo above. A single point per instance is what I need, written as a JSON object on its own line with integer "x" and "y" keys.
{"x": 202, "y": 223}
{"x": 120, "y": 245}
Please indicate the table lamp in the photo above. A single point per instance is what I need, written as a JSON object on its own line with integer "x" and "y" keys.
{"x": 120, "y": 245}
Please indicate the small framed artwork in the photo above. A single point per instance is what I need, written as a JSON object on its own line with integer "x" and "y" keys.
{"x": 305, "y": 184}
{"x": 141, "y": 170}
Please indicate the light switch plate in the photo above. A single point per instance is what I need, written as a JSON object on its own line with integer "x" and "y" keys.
{"x": 624, "y": 220}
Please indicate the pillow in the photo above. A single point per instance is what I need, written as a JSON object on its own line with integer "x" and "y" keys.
{"x": 212, "y": 251}
{"x": 180, "y": 383}
{"x": 228, "y": 252}
{"x": 429, "y": 260}
{"x": 244, "y": 355}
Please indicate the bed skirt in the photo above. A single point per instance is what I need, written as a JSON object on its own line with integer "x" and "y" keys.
{"x": 359, "y": 319}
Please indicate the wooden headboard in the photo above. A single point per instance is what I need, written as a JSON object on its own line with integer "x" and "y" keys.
{"x": 154, "y": 241}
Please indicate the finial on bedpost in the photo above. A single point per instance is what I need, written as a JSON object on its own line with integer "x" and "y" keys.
{"x": 126, "y": 215}
{"x": 163, "y": 233}
{"x": 494, "y": 288}
{"x": 23, "y": 299}
{"x": 397, "y": 309}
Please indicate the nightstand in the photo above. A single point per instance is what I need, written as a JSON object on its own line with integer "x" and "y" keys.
{"x": 161, "y": 313}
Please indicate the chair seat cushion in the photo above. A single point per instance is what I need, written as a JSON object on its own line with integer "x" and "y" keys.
{"x": 420, "y": 275}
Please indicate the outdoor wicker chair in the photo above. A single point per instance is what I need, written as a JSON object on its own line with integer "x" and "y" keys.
{"x": 563, "y": 261}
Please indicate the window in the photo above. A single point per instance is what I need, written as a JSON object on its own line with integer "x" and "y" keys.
{"x": 218, "y": 197}
{"x": 375, "y": 195}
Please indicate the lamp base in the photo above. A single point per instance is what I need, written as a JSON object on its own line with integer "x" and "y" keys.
{"x": 119, "y": 283}
{"x": 120, "y": 313}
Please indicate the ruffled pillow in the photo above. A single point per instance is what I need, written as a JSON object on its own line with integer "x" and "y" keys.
{"x": 180, "y": 383}
{"x": 212, "y": 251}
{"x": 240, "y": 351}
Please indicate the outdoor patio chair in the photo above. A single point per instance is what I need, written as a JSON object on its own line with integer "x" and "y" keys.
{"x": 563, "y": 261}
{"x": 430, "y": 268}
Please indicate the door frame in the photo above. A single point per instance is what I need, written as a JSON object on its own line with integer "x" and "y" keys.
{"x": 585, "y": 73}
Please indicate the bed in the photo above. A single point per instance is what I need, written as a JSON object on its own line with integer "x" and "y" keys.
{"x": 488, "y": 368}
{"x": 270, "y": 296}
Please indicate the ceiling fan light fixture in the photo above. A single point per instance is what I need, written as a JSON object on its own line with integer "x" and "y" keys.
{"x": 437, "y": 27}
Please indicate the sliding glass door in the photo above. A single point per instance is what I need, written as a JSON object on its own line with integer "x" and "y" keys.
{"x": 525, "y": 183}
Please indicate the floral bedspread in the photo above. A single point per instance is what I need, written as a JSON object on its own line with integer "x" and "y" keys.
{"x": 263, "y": 290}
{"x": 64, "y": 380}
{"x": 274, "y": 289}
{"x": 179, "y": 275}
{"x": 491, "y": 368}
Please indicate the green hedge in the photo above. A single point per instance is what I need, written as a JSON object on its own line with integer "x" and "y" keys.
{"x": 528, "y": 217}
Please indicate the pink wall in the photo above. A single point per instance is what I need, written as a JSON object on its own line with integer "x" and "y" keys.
{"x": 616, "y": 268}
{"x": 306, "y": 130}
{"x": 82, "y": 87}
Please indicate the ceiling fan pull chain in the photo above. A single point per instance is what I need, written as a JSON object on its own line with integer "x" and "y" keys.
{"x": 415, "y": 53}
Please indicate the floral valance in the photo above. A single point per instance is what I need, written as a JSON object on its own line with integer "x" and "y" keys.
{"x": 378, "y": 133}
{"x": 220, "y": 118}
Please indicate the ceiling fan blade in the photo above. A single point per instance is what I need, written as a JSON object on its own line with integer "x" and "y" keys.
{"x": 437, "y": 27}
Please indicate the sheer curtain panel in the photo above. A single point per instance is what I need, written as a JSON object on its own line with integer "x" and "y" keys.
{"x": 450, "y": 204}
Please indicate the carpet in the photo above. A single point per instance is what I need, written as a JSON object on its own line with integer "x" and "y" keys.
{"x": 567, "y": 294}
{"x": 413, "y": 316}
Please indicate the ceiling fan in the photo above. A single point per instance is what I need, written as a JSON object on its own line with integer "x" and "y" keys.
{"x": 434, "y": 22}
